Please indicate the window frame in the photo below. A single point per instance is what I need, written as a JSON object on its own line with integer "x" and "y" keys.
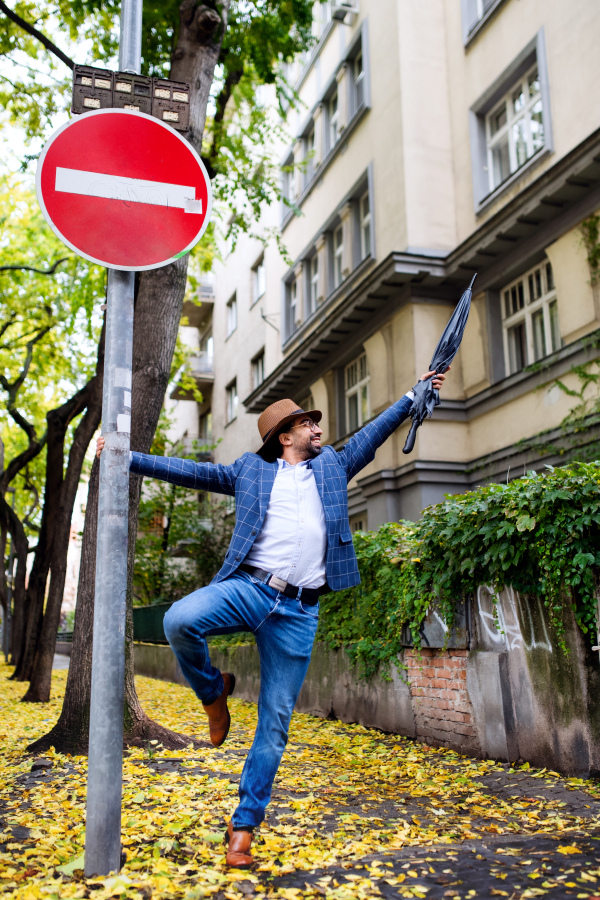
{"x": 505, "y": 133}
{"x": 338, "y": 255}
{"x": 364, "y": 225}
{"x": 257, "y": 368}
{"x": 356, "y": 389}
{"x": 313, "y": 281}
{"x": 475, "y": 16}
{"x": 290, "y": 299}
{"x": 232, "y": 316}
{"x": 333, "y": 119}
{"x": 232, "y": 401}
{"x": 258, "y": 265}
{"x": 521, "y": 302}
{"x": 358, "y": 80}
{"x": 533, "y": 53}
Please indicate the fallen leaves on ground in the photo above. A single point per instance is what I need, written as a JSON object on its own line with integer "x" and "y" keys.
{"x": 344, "y": 794}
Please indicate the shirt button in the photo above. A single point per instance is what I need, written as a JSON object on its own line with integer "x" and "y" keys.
{"x": 253, "y": 532}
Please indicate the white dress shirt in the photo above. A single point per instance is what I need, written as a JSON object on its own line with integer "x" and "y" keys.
{"x": 293, "y": 540}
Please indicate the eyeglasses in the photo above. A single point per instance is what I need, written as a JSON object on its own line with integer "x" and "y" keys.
{"x": 308, "y": 423}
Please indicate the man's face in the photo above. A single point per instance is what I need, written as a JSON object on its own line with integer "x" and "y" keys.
{"x": 306, "y": 438}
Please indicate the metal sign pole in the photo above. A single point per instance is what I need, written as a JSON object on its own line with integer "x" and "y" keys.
{"x": 105, "y": 760}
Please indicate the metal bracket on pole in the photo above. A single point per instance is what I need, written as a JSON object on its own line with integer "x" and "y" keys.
{"x": 105, "y": 760}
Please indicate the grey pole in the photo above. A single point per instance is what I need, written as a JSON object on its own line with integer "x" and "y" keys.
{"x": 105, "y": 759}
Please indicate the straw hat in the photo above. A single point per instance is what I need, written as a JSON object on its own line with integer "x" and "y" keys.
{"x": 277, "y": 416}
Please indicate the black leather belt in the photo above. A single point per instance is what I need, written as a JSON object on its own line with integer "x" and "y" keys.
{"x": 310, "y": 596}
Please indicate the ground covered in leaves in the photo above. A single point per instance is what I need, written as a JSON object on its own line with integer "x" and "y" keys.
{"x": 355, "y": 813}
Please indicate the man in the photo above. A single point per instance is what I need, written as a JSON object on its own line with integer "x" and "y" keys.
{"x": 291, "y": 543}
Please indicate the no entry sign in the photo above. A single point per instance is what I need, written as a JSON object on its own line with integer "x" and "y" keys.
{"x": 123, "y": 189}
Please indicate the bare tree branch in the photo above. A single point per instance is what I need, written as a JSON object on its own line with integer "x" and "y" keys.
{"x": 46, "y": 42}
{"x": 233, "y": 78}
{"x": 49, "y": 271}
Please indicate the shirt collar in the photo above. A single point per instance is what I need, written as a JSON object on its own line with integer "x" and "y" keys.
{"x": 283, "y": 464}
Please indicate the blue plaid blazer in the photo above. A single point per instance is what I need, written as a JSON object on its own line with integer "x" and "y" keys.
{"x": 250, "y": 479}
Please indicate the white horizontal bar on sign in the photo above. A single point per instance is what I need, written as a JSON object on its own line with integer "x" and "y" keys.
{"x": 128, "y": 190}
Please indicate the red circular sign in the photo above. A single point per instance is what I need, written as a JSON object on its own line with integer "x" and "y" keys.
{"x": 123, "y": 189}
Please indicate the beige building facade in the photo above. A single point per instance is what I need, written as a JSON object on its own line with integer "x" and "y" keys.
{"x": 433, "y": 140}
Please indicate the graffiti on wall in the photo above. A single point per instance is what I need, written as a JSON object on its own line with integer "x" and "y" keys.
{"x": 507, "y": 620}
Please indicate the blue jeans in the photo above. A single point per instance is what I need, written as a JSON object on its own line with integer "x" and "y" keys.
{"x": 284, "y": 630}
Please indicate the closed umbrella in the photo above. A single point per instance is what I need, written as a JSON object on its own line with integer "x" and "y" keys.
{"x": 426, "y": 396}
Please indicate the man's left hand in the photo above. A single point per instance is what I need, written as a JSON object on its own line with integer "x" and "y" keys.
{"x": 438, "y": 379}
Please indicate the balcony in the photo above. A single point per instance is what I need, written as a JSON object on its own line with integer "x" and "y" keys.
{"x": 201, "y": 368}
{"x": 199, "y": 311}
{"x": 196, "y": 448}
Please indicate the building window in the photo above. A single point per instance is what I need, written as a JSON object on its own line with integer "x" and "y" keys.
{"x": 334, "y": 121}
{"x": 530, "y": 314}
{"x": 309, "y": 144}
{"x": 515, "y": 128}
{"x": 364, "y": 211}
{"x": 307, "y": 403}
{"x": 357, "y": 393}
{"x": 232, "y": 315}
{"x": 289, "y": 184}
{"x": 314, "y": 281}
{"x": 358, "y": 522}
{"x": 359, "y": 81}
{"x": 205, "y": 428}
{"x": 338, "y": 253}
{"x": 231, "y": 401}
{"x": 291, "y": 305}
{"x": 474, "y": 12}
{"x": 321, "y": 17}
{"x": 258, "y": 370}
{"x": 259, "y": 281}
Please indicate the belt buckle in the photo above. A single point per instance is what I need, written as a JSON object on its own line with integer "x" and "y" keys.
{"x": 278, "y": 583}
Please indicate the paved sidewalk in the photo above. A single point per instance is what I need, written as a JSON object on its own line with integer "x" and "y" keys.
{"x": 355, "y": 814}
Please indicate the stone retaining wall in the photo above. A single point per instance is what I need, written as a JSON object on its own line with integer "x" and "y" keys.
{"x": 505, "y": 689}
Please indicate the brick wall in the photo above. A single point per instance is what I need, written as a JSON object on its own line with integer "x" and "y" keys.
{"x": 443, "y": 711}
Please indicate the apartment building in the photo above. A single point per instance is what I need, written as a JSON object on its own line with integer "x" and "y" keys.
{"x": 433, "y": 140}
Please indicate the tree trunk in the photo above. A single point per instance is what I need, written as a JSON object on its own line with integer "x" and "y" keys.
{"x": 59, "y": 497}
{"x": 158, "y": 307}
{"x": 41, "y": 676}
{"x": 11, "y": 523}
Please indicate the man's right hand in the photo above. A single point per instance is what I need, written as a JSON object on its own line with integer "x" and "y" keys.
{"x": 100, "y": 446}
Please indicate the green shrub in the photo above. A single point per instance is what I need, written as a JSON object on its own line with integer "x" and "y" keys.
{"x": 540, "y": 534}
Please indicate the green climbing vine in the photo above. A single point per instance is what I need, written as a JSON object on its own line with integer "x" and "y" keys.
{"x": 540, "y": 534}
{"x": 590, "y": 232}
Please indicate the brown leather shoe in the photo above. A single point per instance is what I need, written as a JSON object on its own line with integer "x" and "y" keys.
{"x": 219, "y": 719}
{"x": 238, "y": 848}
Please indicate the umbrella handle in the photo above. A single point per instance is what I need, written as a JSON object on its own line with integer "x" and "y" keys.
{"x": 410, "y": 440}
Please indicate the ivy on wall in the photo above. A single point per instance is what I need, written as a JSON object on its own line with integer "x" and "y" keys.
{"x": 540, "y": 534}
{"x": 590, "y": 231}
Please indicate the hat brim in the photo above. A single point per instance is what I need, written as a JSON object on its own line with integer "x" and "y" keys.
{"x": 315, "y": 414}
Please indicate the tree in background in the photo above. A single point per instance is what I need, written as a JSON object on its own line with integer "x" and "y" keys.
{"x": 224, "y": 50}
{"x": 48, "y": 374}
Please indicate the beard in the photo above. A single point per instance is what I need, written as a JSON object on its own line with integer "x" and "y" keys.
{"x": 311, "y": 450}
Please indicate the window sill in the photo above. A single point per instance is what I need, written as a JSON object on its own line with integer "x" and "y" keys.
{"x": 231, "y": 421}
{"x": 475, "y": 28}
{"x": 291, "y": 212}
{"x": 491, "y": 198}
{"x": 231, "y": 333}
{"x": 254, "y": 302}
